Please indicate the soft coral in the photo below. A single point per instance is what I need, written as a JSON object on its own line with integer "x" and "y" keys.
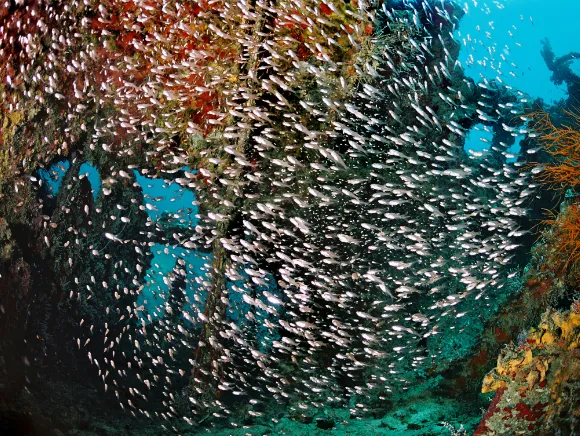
{"x": 563, "y": 144}
{"x": 563, "y": 238}
{"x": 563, "y": 232}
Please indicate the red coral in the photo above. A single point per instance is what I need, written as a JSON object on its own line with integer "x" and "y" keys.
{"x": 525, "y": 412}
{"x": 492, "y": 410}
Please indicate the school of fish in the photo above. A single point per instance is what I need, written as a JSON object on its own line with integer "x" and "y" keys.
{"x": 339, "y": 220}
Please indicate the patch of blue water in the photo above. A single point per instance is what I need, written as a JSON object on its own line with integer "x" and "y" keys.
{"x": 94, "y": 177}
{"x": 169, "y": 197}
{"x": 255, "y": 311}
{"x": 54, "y": 175}
{"x": 480, "y": 137}
{"x": 515, "y": 149}
{"x": 514, "y": 28}
{"x": 155, "y": 289}
{"x": 575, "y": 66}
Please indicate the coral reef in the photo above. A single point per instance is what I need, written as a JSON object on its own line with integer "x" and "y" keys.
{"x": 537, "y": 381}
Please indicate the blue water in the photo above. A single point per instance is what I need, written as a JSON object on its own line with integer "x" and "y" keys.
{"x": 153, "y": 294}
{"x": 513, "y": 29}
{"x": 54, "y": 175}
{"x": 169, "y": 197}
{"x": 480, "y": 137}
{"x": 94, "y": 177}
{"x": 575, "y": 65}
{"x": 515, "y": 149}
{"x": 557, "y": 20}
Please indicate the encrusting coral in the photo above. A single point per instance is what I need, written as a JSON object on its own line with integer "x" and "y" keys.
{"x": 537, "y": 382}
